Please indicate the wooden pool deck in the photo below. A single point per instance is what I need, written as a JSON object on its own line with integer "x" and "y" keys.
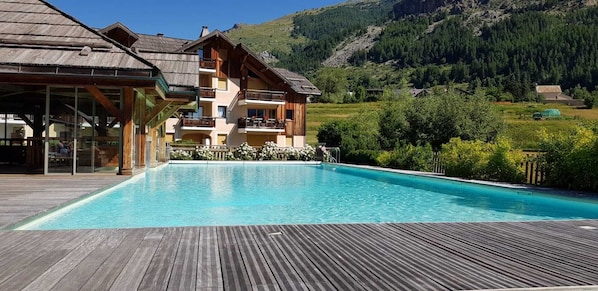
{"x": 411, "y": 256}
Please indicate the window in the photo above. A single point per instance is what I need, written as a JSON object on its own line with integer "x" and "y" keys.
{"x": 289, "y": 114}
{"x": 222, "y": 111}
{"x": 197, "y": 114}
{"x": 222, "y": 84}
{"x": 261, "y": 113}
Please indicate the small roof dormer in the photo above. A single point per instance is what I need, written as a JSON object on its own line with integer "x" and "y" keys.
{"x": 120, "y": 33}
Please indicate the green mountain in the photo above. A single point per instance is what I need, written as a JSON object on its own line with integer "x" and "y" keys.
{"x": 504, "y": 44}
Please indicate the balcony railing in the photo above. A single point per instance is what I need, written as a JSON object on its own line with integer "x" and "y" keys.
{"x": 208, "y": 64}
{"x": 261, "y": 96}
{"x": 207, "y": 93}
{"x": 199, "y": 122}
{"x": 260, "y": 123}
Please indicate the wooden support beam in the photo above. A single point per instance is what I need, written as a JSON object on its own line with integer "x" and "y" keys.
{"x": 128, "y": 128}
{"x": 26, "y": 119}
{"x": 141, "y": 137}
{"x": 105, "y": 102}
{"x": 167, "y": 113}
{"x": 153, "y": 138}
{"x": 155, "y": 112}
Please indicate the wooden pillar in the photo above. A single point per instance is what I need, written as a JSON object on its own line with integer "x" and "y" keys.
{"x": 162, "y": 153}
{"x": 128, "y": 129}
{"x": 153, "y": 134}
{"x": 141, "y": 134}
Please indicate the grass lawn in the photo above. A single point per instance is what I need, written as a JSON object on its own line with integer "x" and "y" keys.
{"x": 521, "y": 128}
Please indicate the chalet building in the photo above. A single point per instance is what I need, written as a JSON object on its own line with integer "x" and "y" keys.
{"x": 75, "y": 99}
{"x": 240, "y": 98}
{"x": 554, "y": 94}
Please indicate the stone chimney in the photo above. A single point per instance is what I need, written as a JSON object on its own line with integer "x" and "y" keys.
{"x": 204, "y": 31}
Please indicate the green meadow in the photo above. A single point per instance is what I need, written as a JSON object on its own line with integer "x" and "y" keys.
{"x": 520, "y": 127}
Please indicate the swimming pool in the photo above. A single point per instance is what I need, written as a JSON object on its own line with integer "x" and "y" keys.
{"x": 250, "y": 194}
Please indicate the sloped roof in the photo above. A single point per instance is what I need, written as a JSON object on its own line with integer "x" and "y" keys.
{"x": 159, "y": 43}
{"x": 298, "y": 83}
{"x": 177, "y": 69}
{"x": 33, "y": 32}
{"x": 203, "y": 39}
{"x": 548, "y": 89}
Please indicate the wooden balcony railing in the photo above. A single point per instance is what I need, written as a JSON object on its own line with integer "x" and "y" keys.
{"x": 262, "y": 95}
{"x": 199, "y": 122}
{"x": 207, "y": 93}
{"x": 207, "y": 64}
{"x": 260, "y": 123}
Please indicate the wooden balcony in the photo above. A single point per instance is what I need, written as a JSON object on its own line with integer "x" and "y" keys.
{"x": 204, "y": 123}
{"x": 207, "y": 65}
{"x": 261, "y": 97}
{"x": 207, "y": 94}
{"x": 246, "y": 125}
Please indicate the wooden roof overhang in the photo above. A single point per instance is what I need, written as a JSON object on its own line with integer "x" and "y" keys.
{"x": 252, "y": 62}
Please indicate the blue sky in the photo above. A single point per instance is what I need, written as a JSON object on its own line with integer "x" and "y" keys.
{"x": 182, "y": 18}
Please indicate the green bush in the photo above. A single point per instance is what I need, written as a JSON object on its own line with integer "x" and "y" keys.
{"x": 570, "y": 160}
{"x": 408, "y": 157}
{"x": 465, "y": 159}
{"x": 362, "y": 157}
{"x": 484, "y": 161}
{"x": 504, "y": 163}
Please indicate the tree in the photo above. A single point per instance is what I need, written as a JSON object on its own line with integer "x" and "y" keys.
{"x": 440, "y": 117}
{"x": 393, "y": 124}
{"x": 360, "y": 132}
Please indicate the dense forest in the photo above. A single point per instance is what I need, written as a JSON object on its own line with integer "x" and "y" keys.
{"x": 327, "y": 29}
{"x": 530, "y": 46}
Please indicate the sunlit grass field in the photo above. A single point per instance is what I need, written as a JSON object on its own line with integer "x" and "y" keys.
{"x": 521, "y": 128}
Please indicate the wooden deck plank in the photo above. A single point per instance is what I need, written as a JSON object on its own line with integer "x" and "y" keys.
{"x": 184, "y": 271}
{"x": 485, "y": 254}
{"x": 209, "y": 270}
{"x": 53, "y": 274}
{"x": 283, "y": 270}
{"x": 80, "y": 274}
{"x": 22, "y": 196}
{"x": 412, "y": 256}
{"x": 257, "y": 267}
{"x": 337, "y": 273}
{"x": 233, "y": 272}
{"x": 17, "y": 261}
{"x": 160, "y": 268}
{"x": 309, "y": 272}
{"x": 133, "y": 272}
{"x": 402, "y": 254}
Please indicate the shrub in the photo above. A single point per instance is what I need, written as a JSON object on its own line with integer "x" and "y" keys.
{"x": 269, "y": 151}
{"x": 245, "y": 152}
{"x": 570, "y": 160}
{"x": 180, "y": 155}
{"x": 485, "y": 161}
{"x": 307, "y": 153}
{"x": 408, "y": 157}
{"x": 203, "y": 153}
{"x": 292, "y": 154}
{"x": 504, "y": 163}
{"x": 362, "y": 157}
{"x": 466, "y": 159}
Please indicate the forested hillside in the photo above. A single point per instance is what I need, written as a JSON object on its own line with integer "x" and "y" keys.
{"x": 505, "y": 45}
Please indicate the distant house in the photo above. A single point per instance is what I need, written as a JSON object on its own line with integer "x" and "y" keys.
{"x": 419, "y": 92}
{"x": 554, "y": 94}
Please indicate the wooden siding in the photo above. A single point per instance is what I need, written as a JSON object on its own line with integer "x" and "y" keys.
{"x": 298, "y": 105}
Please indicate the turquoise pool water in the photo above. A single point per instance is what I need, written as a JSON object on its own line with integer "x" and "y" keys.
{"x": 224, "y": 194}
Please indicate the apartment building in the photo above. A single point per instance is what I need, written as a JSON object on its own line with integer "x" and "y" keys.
{"x": 240, "y": 98}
